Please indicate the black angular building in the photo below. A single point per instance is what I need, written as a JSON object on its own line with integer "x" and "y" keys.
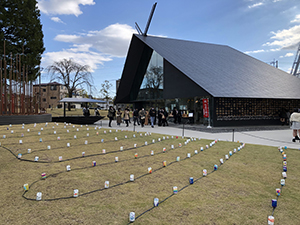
{"x": 242, "y": 90}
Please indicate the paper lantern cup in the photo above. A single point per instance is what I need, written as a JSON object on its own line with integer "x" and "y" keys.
{"x": 175, "y": 190}
{"x": 131, "y": 217}
{"x": 75, "y": 193}
{"x": 149, "y": 170}
{"x": 68, "y": 167}
{"x": 39, "y": 196}
{"x": 106, "y": 184}
{"x": 215, "y": 167}
{"x": 204, "y": 172}
{"x": 156, "y": 202}
{"x": 271, "y": 220}
{"x": 152, "y": 153}
{"x": 131, "y": 177}
{"x": 164, "y": 163}
{"x": 284, "y": 175}
{"x": 26, "y": 187}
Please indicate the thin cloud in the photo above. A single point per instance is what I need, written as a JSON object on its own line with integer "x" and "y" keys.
{"x": 286, "y": 38}
{"x": 94, "y": 47}
{"x": 63, "y": 7}
{"x": 79, "y": 53}
{"x": 255, "y": 5}
{"x": 287, "y": 55}
{"x": 57, "y": 20}
{"x": 112, "y": 40}
{"x": 297, "y": 19}
{"x": 255, "y": 51}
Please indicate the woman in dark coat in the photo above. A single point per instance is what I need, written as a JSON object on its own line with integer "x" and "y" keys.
{"x": 111, "y": 114}
{"x": 119, "y": 117}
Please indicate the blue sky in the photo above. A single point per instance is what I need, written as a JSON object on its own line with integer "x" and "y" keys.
{"x": 98, "y": 32}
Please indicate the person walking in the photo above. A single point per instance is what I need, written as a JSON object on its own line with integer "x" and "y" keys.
{"x": 295, "y": 120}
{"x": 175, "y": 114}
{"x": 166, "y": 114}
{"x": 126, "y": 116}
{"x": 111, "y": 114}
{"x": 152, "y": 113}
{"x": 147, "y": 118}
{"x": 119, "y": 117}
{"x": 136, "y": 117}
{"x": 142, "y": 114}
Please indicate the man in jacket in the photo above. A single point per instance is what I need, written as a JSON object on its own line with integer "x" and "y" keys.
{"x": 152, "y": 113}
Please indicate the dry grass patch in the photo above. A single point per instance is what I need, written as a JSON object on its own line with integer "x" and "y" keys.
{"x": 239, "y": 192}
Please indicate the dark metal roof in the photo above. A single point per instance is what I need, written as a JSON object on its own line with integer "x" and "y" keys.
{"x": 223, "y": 71}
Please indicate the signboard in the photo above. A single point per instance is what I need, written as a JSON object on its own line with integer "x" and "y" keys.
{"x": 205, "y": 108}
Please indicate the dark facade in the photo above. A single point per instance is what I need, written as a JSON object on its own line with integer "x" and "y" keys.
{"x": 242, "y": 90}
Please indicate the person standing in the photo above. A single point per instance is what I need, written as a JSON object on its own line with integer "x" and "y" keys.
{"x": 126, "y": 116}
{"x": 136, "y": 117}
{"x": 111, "y": 114}
{"x": 142, "y": 114}
{"x": 175, "y": 113}
{"x": 295, "y": 120}
{"x": 159, "y": 117}
{"x": 166, "y": 117}
{"x": 147, "y": 118}
{"x": 119, "y": 117}
{"x": 152, "y": 113}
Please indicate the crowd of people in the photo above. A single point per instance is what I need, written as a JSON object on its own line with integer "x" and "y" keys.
{"x": 142, "y": 117}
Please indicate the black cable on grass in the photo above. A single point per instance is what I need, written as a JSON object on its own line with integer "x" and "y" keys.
{"x": 148, "y": 210}
{"x": 75, "y": 145}
{"x": 101, "y": 189}
{"x": 71, "y": 139}
{"x": 78, "y": 157}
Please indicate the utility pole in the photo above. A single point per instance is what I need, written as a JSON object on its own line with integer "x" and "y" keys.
{"x": 295, "y": 68}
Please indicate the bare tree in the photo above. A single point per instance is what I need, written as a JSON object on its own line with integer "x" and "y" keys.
{"x": 72, "y": 75}
{"x": 154, "y": 81}
{"x": 105, "y": 91}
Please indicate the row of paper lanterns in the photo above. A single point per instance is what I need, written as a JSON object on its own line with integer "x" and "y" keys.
{"x": 68, "y": 168}
{"x": 271, "y": 218}
{"x": 191, "y": 179}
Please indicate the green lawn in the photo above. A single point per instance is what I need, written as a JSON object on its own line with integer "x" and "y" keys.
{"x": 239, "y": 192}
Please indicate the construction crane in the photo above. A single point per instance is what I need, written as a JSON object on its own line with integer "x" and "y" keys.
{"x": 295, "y": 68}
